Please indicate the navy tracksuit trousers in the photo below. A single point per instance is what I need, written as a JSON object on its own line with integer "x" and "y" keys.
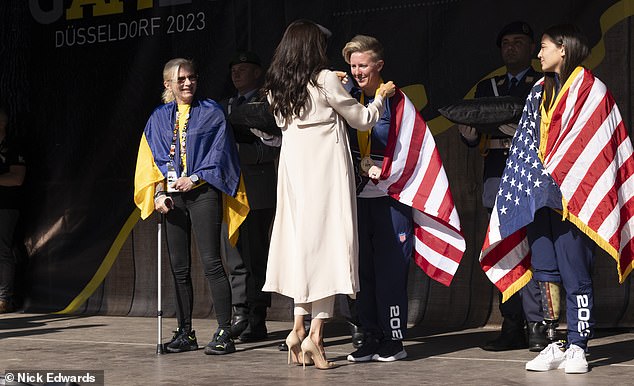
{"x": 385, "y": 250}
{"x": 561, "y": 253}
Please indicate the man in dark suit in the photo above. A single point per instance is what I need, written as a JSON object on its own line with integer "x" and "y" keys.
{"x": 247, "y": 262}
{"x": 517, "y": 48}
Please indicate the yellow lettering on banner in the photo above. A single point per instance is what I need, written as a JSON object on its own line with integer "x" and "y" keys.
{"x": 144, "y": 4}
{"x": 99, "y": 8}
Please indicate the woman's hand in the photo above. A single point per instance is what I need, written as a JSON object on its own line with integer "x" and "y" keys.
{"x": 343, "y": 76}
{"x": 163, "y": 204}
{"x": 386, "y": 90}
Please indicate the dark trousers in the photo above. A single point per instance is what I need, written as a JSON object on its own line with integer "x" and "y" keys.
{"x": 561, "y": 253}
{"x": 247, "y": 269}
{"x": 524, "y": 305}
{"x": 199, "y": 210}
{"x": 8, "y": 221}
{"x": 385, "y": 249}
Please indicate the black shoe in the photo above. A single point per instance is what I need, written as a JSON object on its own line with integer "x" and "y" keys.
{"x": 221, "y": 343}
{"x": 357, "y": 334}
{"x": 282, "y": 346}
{"x": 366, "y": 352}
{"x": 240, "y": 321}
{"x": 390, "y": 351}
{"x": 254, "y": 334}
{"x": 182, "y": 341}
{"x": 508, "y": 340}
{"x": 537, "y": 340}
{"x": 174, "y": 336}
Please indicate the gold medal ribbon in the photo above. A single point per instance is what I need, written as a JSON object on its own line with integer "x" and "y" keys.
{"x": 363, "y": 137}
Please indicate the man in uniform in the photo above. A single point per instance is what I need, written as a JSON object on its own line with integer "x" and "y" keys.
{"x": 247, "y": 262}
{"x": 517, "y": 47}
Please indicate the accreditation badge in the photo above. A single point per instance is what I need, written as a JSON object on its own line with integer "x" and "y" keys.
{"x": 171, "y": 178}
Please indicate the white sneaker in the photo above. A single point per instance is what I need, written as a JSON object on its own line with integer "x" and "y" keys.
{"x": 549, "y": 358}
{"x": 575, "y": 362}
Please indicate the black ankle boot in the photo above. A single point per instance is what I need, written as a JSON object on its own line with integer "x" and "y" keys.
{"x": 358, "y": 337}
{"x": 537, "y": 340}
{"x": 256, "y": 331}
{"x": 512, "y": 337}
{"x": 240, "y": 320}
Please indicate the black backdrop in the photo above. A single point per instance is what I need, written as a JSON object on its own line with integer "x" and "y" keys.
{"x": 80, "y": 78}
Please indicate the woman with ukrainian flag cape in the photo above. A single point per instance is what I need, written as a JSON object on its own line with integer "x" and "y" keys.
{"x": 566, "y": 188}
{"x": 187, "y": 158}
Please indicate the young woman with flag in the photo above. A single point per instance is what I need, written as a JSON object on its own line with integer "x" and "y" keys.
{"x": 586, "y": 154}
{"x": 313, "y": 252}
{"x": 187, "y": 158}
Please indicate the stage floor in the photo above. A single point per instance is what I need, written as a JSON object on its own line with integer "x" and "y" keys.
{"x": 125, "y": 349}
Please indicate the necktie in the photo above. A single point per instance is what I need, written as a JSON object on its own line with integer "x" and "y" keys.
{"x": 240, "y": 100}
{"x": 512, "y": 86}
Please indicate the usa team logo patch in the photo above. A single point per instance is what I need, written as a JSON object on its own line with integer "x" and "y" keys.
{"x": 402, "y": 237}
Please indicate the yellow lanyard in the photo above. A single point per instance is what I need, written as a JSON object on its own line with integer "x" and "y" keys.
{"x": 364, "y": 137}
{"x": 183, "y": 118}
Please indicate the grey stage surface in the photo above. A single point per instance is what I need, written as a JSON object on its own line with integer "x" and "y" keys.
{"x": 125, "y": 349}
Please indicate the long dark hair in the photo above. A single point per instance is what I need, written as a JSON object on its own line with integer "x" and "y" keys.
{"x": 576, "y": 51}
{"x": 298, "y": 59}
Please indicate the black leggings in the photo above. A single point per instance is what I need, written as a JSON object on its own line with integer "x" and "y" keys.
{"x": 201, "y": 210}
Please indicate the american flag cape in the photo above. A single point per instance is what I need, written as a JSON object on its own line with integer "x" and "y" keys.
{"x": 413, "y": 174}
{"x": 581, "y": 164}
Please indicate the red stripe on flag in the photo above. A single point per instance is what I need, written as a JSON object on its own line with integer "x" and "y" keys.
{"x": 431, "y": 173}
{"x": 447, "y": 206}
{"x": 610, "y": 199}
{"x": 557, "y": 134}
{"x": 625, "y": 210}
{"x": 513, "y": 275}
{"x": 438, "y": 245}
{"x": 396, "y": 117}
{"x": 585, "y": 135}
{"x": 432, "y": 271}
{"x": 415, "y": 144}
{"x": 502, "y": 249}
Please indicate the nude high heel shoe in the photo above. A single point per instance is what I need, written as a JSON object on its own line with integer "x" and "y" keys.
{"x": 294, "y": 346}
{"x": 309, "y": 348}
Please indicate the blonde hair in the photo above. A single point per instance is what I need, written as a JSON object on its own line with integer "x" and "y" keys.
{"x": 363, "y": 43}
{"x": 170, "y": 73}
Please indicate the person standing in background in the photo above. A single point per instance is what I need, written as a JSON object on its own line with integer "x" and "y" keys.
{"x": 516, "y": 44}
{"x": 247, "y": 261}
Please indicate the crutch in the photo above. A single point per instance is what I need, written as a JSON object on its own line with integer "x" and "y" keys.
{"x": 159, "y": 313}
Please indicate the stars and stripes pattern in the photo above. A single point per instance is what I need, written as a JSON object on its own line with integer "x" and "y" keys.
{"x": 413, "y": 174}
{"x": 578, "y": 159}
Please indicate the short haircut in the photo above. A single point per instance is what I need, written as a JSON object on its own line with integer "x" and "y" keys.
{"x": 363, "y": 43}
